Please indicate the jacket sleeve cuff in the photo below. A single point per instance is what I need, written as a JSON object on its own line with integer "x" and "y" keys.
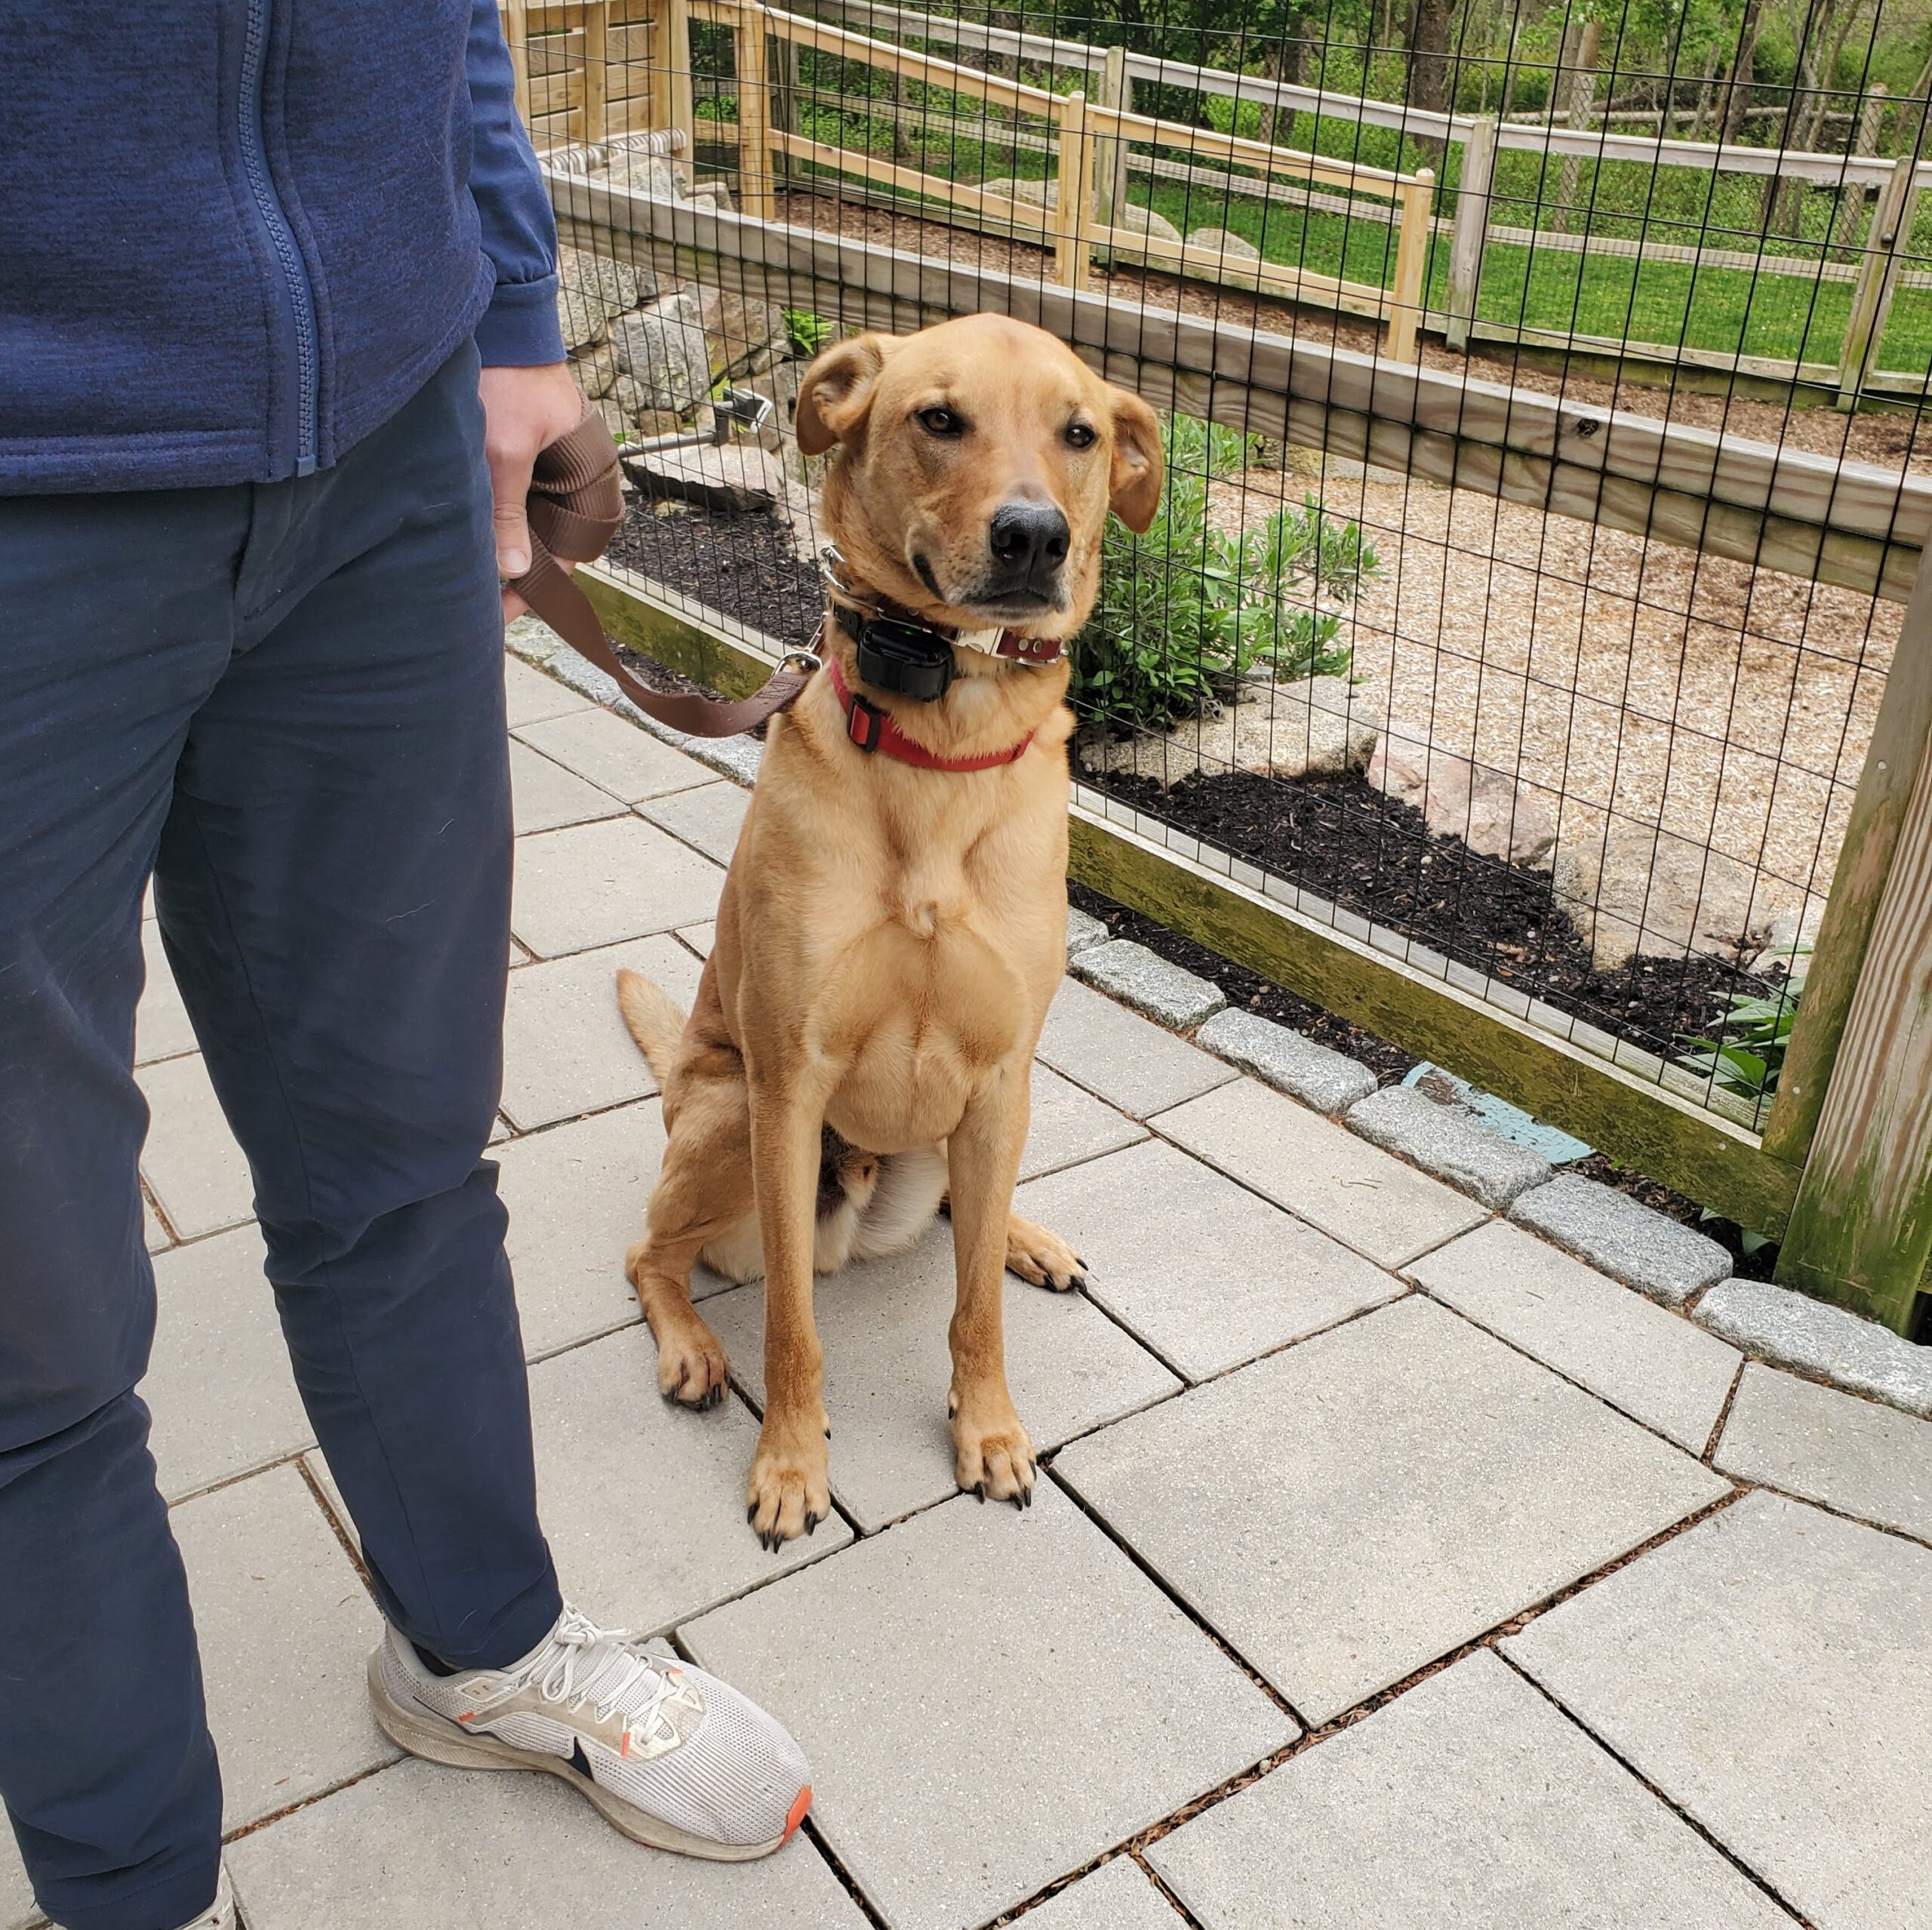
{"x": 520, "y": 328}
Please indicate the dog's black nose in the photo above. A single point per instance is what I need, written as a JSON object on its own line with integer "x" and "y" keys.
{"x": 1028, "y": 536}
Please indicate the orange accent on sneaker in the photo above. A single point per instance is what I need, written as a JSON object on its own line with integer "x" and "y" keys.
{"x": 797, "y": 1814}
{"x": 468, "y": 1716}
{"x": 627, "y": 1749}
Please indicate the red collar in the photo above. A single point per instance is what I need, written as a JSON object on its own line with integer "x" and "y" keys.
{"x": 872, "y": 729}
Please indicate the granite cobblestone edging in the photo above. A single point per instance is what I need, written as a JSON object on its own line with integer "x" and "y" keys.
{"x": 1620, "y": 1236}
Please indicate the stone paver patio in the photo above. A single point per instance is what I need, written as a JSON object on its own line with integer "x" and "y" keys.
{"x": 1393, "y": 1569}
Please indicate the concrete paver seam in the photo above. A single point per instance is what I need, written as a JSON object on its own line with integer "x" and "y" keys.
{"x": 235, "y": 1480}
{"x": 1683, "y": 1816}
{"x": 167, "y": 1226}
{"x": 1061, "y": 1884}
{"x": 1709, "y": 1457}
{"x": 337, "y": 1526}
{"x": 1422, "y": 1291}
{"x": 1153, "y": 1125}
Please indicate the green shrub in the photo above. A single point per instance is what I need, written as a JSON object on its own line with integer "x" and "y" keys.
{"x": 1747, "y": 1056}
{"x": 806, "y": 333}
{"x": 1186, "y": 611}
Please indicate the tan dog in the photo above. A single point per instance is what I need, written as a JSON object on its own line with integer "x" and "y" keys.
{"x": 889, "y": 936}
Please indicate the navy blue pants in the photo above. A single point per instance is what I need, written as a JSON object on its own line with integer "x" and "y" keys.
{"x": 285, "y": 703}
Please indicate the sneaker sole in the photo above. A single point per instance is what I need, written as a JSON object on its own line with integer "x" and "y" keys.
{"x": 432, "y": 1739}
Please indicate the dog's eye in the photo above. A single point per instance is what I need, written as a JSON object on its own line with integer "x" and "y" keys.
{"x": 1081, "y": 435}
{"x": 940, "y": 422}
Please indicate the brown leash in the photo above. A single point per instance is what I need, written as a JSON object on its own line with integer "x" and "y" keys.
{"x": 575, "y": 507}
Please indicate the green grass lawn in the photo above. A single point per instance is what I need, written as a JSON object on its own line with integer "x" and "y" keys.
{"x": 1727, "y": 311}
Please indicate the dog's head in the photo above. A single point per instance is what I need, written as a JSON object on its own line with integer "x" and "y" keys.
{"x": 978, "y": 461}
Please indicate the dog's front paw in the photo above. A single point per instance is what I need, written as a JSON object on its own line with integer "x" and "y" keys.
{"x": 692, "y": 1364}
{"x": 1041, "y": 1258}
{"x": 788, "y": 1495}
{"x": 992, "y": 1452}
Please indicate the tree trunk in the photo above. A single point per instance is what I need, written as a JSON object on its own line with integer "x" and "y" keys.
{"x": 1432, "y": 68}
{"x": 1737, "y": 83}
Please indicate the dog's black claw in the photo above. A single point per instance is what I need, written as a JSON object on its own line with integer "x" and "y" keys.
{"x": 980, "y": 1488}
{"x": 751, "y": 1513}
{"x": 811, "y": 1524}
{"x": 1078, "y": 1284}
{"x": 1080, "y": 1263}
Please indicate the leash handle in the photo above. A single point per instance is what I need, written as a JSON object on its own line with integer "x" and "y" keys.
{"x": 575, "y": 506}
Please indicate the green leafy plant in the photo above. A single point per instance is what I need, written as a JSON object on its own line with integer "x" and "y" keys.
{"x": 1746, "y": 1057}
{"x": 1186, "y": 611}
{"x": 806, "y": 333}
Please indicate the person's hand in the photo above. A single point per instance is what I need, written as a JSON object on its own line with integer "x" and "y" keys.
{"x": 524, "y": 410}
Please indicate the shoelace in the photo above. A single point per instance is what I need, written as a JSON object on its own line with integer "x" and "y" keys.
{"x": 607, "y": 1683}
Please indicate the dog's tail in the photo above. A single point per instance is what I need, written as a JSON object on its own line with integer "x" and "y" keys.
{"x": 655, "y": 1020}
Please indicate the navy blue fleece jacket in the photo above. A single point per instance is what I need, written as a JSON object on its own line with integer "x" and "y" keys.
{"x": 236, "y": 235}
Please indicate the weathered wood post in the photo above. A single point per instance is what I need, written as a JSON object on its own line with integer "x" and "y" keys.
{"x": 1110, "y": 156}
{"x": 783, "y": 118}
{"x": 1405, "y": 298}
{"x": 595, "y": 122}
{"x": 1072, "y": 218}
{"x": 1471, "y": 232}
{"x": 1851, "y": 199}
{"x": 1877, "y": 280}
{"x": 681, "y": 112}
{"x": 752, "y": 58}
{"x": 1854, "y": 1103}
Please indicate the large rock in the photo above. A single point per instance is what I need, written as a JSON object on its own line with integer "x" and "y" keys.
{"x": 645, "y": 174}
{"x": 1218, "y": 241}
{"x": 1316, "y": 726}
{"x": 592, "y": 290}
{"x": 663, "y": 346}
{"x": 739, "y": 475}
{"x": 1134, "y": 218}
{"x": 1457, "y": 798}
{"x": 1631, "y": 888}
{"x": 594, "y": 370}
{"x": 744, "y": 334}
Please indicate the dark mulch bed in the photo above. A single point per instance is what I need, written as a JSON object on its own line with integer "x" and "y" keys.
{"x": 1374, "y": 856}
{"x": 740, "y": 561}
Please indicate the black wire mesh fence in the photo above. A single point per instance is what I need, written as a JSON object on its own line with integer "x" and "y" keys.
{"x": 1584, "y": 751}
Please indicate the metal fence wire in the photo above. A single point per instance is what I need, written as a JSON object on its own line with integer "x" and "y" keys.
{"x": 1586, "y": 752}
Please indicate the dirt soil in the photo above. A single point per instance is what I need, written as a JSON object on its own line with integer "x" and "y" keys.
{"x": 739, "y": 562}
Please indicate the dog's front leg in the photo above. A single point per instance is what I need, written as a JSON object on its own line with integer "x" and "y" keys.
{"x": 992, "y": 1454}
{"x": 788, "y": 1495}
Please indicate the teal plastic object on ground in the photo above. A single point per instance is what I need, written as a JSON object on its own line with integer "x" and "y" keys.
{"x": 1498, "y": 1115}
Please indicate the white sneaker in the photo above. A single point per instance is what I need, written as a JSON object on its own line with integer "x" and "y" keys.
{"x": 220, "y": 1915}
{"x": 672, "y": 1756}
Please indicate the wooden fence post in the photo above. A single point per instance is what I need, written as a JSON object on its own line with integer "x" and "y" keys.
{"x": 1071, "y": 214}
{"x": 1851, "y": 1101}
{"x": 1110, "y": 156}
{"x": 1405, "y": 298}
{"x": 1877, "y": 280}
{"x": 752, "y": 58}
{"x": 596, "y": 71}
{"x": 1865, "y": 141}
{"x": 516, "y": 37}
{"x": 1472, "y": 229}
{"x": 783, "y": 118}
{"x": 680, "y": 114}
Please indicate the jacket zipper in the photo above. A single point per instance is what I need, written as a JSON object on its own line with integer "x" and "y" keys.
{"x": 282, "y": 236}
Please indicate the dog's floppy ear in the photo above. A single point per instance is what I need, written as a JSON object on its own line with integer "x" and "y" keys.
{"x": 836, "y": 393}
{"x": 1134, "y": 487}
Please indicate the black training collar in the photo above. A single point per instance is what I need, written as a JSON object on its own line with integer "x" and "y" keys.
{"x": 898, "y": 654}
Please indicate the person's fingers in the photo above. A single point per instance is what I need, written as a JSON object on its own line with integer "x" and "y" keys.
{"x": 509, "y": 484}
